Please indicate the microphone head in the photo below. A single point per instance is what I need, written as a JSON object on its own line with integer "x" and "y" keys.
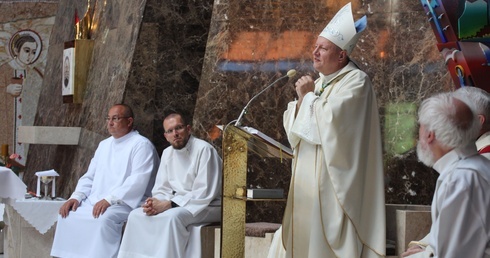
{"x": 291, "y": 73}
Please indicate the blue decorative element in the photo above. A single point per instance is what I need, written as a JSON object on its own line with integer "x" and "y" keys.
{"x": 432, "y": 5}
{"x": 361, "y": 24}
{"x": 460, "y": 74}
{"x": 486, "y": 51}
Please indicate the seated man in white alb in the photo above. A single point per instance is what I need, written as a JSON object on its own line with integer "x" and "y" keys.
{"x": 119, "y": 178}
{"x": 187, "y": 191}
{"x": 460, "y": 216}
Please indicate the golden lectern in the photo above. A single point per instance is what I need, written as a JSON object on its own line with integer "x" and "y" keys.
{"x": 237, "y": 142}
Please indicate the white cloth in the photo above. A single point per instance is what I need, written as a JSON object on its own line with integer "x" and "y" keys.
{"x": 122, "y": 171}
{"x": 40, "y": 175}
{"x": 80, "y": 235}
{"x": 276, "y": 250}
{"x": 460, "y": 216}
{"x": 191, "y": 178}
{"x": 428, "y": 252}
{"x": 483, "y": 141}
{"x": 11, "y": 187}
{"x": 41, "y": 214}
{"x": 164, "y": 235}
{"x": 336, "y": 198}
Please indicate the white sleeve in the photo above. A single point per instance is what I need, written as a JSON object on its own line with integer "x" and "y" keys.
{"x": 162, "y": 189}
{"x": 305, "y": 125}
{"x": 460, "y": 231}
{"x": 85, "y": 182}
{"x": 206, "y": 186}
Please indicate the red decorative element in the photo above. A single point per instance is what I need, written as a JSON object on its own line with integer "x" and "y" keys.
{"x": 467, "y": 59}
{"x": 484, "y": 150}
{"x": 77, "y": 20}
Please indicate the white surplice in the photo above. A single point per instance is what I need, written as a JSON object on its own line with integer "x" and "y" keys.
{"x": 459, "y": 210}
{"x": 122, "y": 171}
{"x": 189, "y": 177}
{"x": 336, "y": 198}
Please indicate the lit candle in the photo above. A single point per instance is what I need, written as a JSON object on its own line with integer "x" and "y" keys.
{"x": 5, "y": 150}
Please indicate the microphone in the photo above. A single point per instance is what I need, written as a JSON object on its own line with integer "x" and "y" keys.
{"x": 290, "y": 73}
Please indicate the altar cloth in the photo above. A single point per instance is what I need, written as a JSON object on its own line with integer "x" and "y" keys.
{"x": 11, "y": 186}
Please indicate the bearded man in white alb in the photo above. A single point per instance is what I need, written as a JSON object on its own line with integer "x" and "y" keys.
{"x": 479, "y": 101}
{"x": 187, "y": 191}
{"x": 460, "y": 215}
{"x": 335, "y": 205}
{"x": 119, "y": 179}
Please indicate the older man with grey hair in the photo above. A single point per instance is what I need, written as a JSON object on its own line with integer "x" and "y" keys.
{"x": 460, "y": 217}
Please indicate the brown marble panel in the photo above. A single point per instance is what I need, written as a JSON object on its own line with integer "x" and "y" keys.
{"x": 174, "y": 47}
{"x": 248, "y": 48}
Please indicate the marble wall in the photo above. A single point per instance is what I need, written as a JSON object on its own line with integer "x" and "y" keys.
{"x": 147, "y": 54}
{"x": 252, "y": 43}
{"x": 209, "y": 58}
{"x": 118, "y": 24}
{"x": 168, "y": 60}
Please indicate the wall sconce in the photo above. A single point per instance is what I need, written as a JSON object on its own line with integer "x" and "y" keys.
{"x": 77, "y": 57}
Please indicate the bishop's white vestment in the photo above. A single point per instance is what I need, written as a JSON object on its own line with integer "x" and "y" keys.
{"x": 189, "y": 177}
{"x": 122, "y": 172}
{"x": 336, "y": 204}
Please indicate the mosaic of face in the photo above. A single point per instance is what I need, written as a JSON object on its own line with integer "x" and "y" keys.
{"x": 27, "y": 52}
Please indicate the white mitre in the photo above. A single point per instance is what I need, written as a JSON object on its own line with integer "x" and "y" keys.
{"x": 342, "y": 30}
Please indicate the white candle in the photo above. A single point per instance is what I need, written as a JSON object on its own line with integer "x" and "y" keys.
{"x": 53, "y": 186}
{"x": 38, "y": 189}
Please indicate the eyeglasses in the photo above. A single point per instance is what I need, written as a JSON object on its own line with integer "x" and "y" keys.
{"x": 178, "y": 128}
{"x": 115, "y": 119}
